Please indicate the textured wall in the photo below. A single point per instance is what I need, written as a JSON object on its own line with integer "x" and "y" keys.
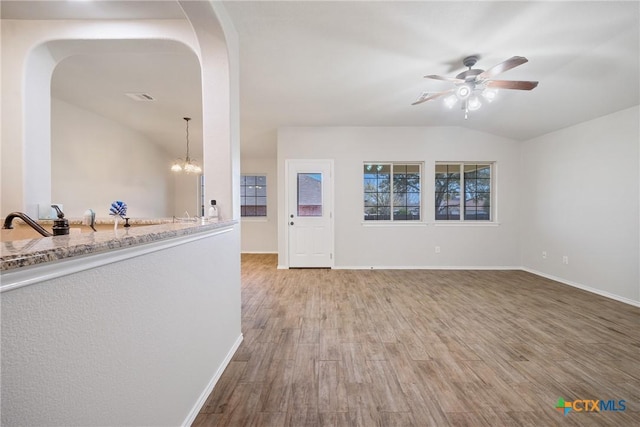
{"x": 134, "y": 342}
{"x": 580, "y": 200}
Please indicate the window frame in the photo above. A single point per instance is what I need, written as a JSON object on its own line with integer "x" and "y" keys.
{"x": 392, "y": 220}
{"x": 492, "y": 193}
{"x": 266, "y": 197}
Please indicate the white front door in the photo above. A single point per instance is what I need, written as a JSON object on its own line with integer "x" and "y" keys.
{"x": 309, "y": 215}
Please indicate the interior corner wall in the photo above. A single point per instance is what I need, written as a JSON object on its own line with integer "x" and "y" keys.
{"x": 580, "y": 200}
{"x": 260, "y": 235}
{"x": 95, "y": 161}
{"x": 360, "y": 245}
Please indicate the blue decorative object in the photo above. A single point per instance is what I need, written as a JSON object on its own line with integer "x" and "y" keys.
{"x": 118, "y": 208}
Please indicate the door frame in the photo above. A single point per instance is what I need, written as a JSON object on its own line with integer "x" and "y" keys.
{"x": 284, "y": 216}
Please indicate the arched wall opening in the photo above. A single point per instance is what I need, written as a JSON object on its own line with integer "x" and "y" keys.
{"x": 28, "y": 63}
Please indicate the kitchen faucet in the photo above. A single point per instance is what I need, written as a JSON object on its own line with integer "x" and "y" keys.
{"x": 60, "y": 225}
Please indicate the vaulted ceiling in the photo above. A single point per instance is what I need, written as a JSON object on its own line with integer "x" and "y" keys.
{"x": 360, "y": 63}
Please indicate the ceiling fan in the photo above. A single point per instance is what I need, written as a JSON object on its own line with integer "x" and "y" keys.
{"x": 474, "y": 81}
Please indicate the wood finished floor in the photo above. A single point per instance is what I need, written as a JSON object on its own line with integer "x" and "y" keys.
{"x": 423, "y": 348}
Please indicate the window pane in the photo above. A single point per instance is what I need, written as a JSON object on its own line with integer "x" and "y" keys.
{"x": 483, "y": 185}
{"x": 309, "y": 194}
{"x": 384, "y": 213}
{"x": 413, "y": 199}
{"x": 370, "y": 183}
{"x": 441, "y": 171}
{"x": 377, "y": 191}
{"x": 405, "y": 183}
{"x": 470, "y": 214}
{"x": 483, "y": 213}
{"x": 253, "y": 195}
{"x": 484, "y": 171}
{"x": 261, "y": 202}
{"x": 477, "y": 187}
{"x": 447, "y": 192}
{"x": 391, "y": 191}
{"x": 470, "y": 171}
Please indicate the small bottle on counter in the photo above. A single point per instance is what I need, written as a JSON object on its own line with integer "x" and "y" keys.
{"x": 213, "y": 212}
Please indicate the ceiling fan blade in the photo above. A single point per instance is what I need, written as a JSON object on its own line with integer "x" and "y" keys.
{"x": 502, "y": 67}
{"x": 511, "y": 84}
{"x": 426, "y": 96}
{"x": 446, "y": 79}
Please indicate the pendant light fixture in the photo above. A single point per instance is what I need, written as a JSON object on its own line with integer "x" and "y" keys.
{"x": 188, "y": 166}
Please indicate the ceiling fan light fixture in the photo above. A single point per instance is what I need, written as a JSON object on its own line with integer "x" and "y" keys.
{"x": 474, "y": 103}
{"x": 463, "y": 92}
{"x": 489, "y": 94}
{"x": 450, "y": 101}
{"x": 475, "y": 86}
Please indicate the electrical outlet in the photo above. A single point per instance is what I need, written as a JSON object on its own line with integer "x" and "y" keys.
{"x": 544, "y": 254}
{"x": 565, "y": 259}
{"x": 437, "y": 249}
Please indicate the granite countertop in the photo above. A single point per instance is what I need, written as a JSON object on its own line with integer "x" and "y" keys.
{"x": 24, "y": 253}
{"x": 111, "y": 220}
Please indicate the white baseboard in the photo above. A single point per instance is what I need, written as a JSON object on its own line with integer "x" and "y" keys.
{"x": 259, "y": 252}
{"x": 423, "y": 267}
{"x": 529, "y": 270}
{"x": 207, "y": 391}
{"x": 583, "y": 287}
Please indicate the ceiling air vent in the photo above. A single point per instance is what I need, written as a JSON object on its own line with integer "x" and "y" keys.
{"x": 140, "y": 96}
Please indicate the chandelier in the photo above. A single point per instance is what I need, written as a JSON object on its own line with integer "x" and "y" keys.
{"x": 186, "y": 165}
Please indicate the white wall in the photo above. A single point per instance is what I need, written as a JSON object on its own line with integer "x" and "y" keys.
{"x": 260, "y": 235}
{"x": 135, "y": 342}
{"x": 186, "y": 195}
{"x": 580, "y": 195}
{"x": 95, "y": 161}
{"x": 361, "y": 245}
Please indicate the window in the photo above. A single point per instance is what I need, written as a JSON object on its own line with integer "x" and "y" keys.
{"x": 253, "y": 195}
{"x": 392, "y": 192}
{"x": 451, "y": 179}
{"x": 309, "y": 194}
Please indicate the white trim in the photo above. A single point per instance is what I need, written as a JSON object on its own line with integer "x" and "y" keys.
{"x": 283, "y": 267}
{"x": 262, "y": 218}
{"x": 583, "y": 287}
{"x": 17, "y": 278}
{"x": 212, "y": 383}
{"x": 467, "y": 223}
{"x": 260, "y": 252}
{"x": 424, "y": 267}
{"x": 394, "y": 223}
